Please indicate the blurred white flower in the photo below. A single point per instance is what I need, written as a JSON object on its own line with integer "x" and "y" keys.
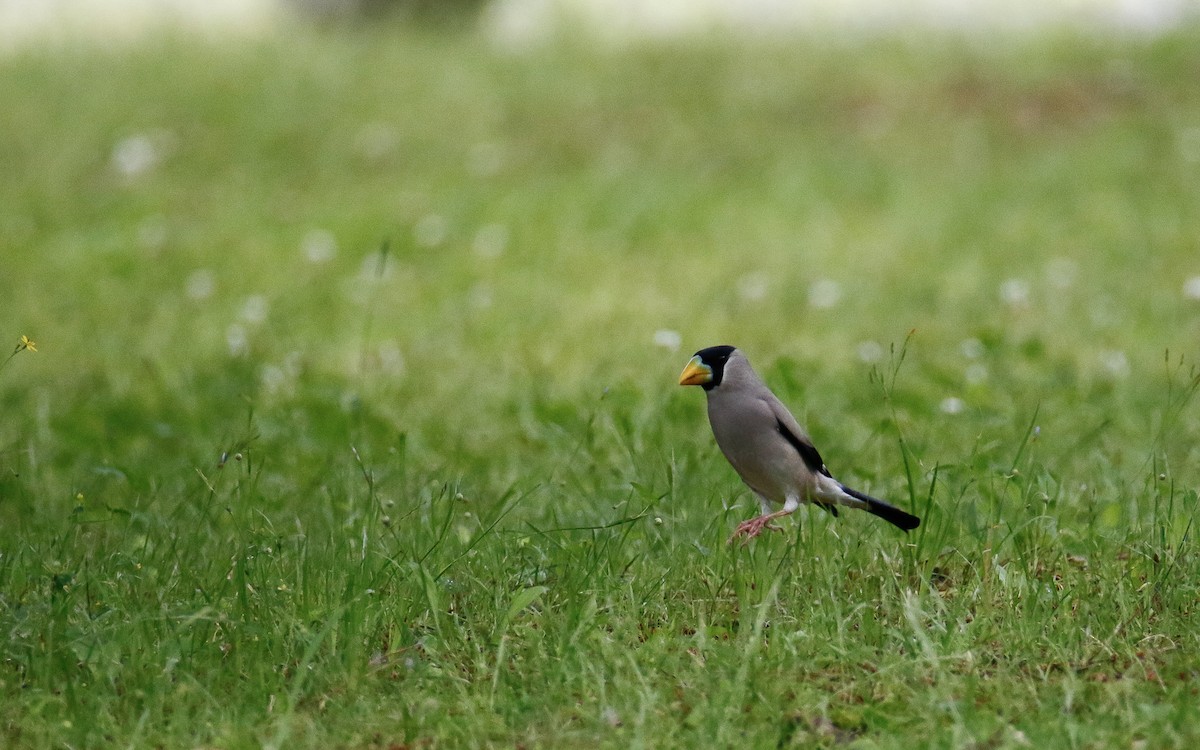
{"x": 1061, "y": 272}
{"x": 870, "y": 351}
{"x": 319, "y": 246}
{"x": 1191, "y": 288}
{"x": 481, "y": 296}
{"x": 952, "y": 405}
{"x": 430, "y": 230}
{"x": 668, "y": 339}
{"x": 371, "y": 270}
{"x": 255, "y": 309}
{"x": 610, "y": 717}
{"x": 1115, "y": 363}
{"x": 824, "y": 293}
{"x": 971, "y": 348}
{"x": 201, "y": 284}
{"x": 1014, "y": 292}
{"x": 391, "y": 359}
{"x": 752, "y": 286}
{"x": 135, "y": 156}
{"x": 237, "y": 340}
{"x": 273, "y": 378}
{"x": 293, "y": 363}
{"x": 976, "y": 373}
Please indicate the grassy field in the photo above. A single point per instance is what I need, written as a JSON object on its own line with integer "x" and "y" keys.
{"x": 353, "y": 420}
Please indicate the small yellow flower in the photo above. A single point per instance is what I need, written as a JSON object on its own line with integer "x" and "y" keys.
{"x": 24, "y": 343}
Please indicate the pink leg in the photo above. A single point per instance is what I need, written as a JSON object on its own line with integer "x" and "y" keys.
{"x": 755, "y": 526}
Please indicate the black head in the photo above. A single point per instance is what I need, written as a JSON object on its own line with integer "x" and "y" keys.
{"x": 707, "y": 367}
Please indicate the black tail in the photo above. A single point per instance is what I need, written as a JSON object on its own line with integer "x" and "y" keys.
{"x": 889, "y": 513}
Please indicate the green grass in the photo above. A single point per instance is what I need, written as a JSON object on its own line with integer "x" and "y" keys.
{"x": 449, "y": 495}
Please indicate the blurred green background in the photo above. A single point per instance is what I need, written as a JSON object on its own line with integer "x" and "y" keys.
{"x": 969, "y": 262}
{"x": 177, "y": 212}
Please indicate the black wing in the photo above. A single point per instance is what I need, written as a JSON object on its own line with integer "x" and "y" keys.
{"x": 808, "y": 453}
{"x": 812, "y": 459}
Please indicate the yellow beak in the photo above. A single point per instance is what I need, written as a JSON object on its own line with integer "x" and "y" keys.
{"x": 696, "y": 373}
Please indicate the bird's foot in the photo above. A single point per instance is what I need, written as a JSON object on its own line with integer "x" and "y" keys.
{"x": 754, "y": 527}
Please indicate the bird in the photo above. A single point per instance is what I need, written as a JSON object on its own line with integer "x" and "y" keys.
{"x": 768, "y": 448}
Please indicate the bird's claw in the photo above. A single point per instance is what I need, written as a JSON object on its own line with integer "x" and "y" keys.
{"x": 753, "y": 528}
